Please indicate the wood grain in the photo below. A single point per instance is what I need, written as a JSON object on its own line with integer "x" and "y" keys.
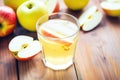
{"x": 8, "y": 70}
{"x": 35, "y": 70}
{"x": 98, "y": 51}
{"x": 97, "y": 54}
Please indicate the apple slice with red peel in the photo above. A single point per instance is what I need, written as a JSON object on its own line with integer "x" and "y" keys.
{"x": 57, "y": 7}
{"x": 24, "y": 47}
{"x": 59, "y": 29}
{"x": 111, "y": 8}
{"x": 33, "y": 48}
{"x": 90, "y": 18}
{"x": 52, "y": 5}
{"x": 45, "y": 33}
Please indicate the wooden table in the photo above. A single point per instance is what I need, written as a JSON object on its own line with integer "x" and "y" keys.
{"x": 97, "y": 55}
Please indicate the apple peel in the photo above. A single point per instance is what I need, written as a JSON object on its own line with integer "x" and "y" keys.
{"x": 90, "y": 18}
{"x": 60, "y": 31}
{"x": 52, "y": 5}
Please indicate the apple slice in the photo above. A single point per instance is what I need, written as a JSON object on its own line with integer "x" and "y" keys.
{"x": 59, "y": 29}
{"x": 111, "y": 8}
{"x": 24, "y": 47}
{"x": 52, "y": 5}
{"x": 113, "y": 0}
{"x": 57, "y": 7}
{"x": 90, "y": 18}
{"x": 31, "y": 50}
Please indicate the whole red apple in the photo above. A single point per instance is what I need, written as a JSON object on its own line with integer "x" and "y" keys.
{"x": 7, "y": 20}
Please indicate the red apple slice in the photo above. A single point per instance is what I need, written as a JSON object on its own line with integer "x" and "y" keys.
{"x": 86, "y": 14}
{"x": 45, "y": 33}
{"x": 111, "y": 8}
{"x": 32, "y": 49}
{"x": 52, "y": 5}
{"x": 93, "y": 22}
{"x": 59, "y": 29}
{"x": 57, "y": 7}
{"x": 90, "y": 18}
{"x": 24, "y": 47}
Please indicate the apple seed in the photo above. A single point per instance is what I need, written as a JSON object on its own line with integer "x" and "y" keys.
{"x": 24, "y": 46}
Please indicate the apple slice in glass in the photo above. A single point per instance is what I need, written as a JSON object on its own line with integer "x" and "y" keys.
{"x": 59, "y": 29}
{"x": 90, "y": 18}
{"x": 24, "y": 47}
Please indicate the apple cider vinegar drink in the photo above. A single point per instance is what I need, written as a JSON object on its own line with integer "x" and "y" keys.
{"x": 58, "y": 37}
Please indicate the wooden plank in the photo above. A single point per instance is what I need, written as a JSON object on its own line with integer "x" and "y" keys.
{"x": 98, "y": 51}
{"x": 31, "y": 69}
{"x": 8, "y": 70}
{"x": 97, "y": 54}
{"x": 35, "y": 70}
{"x": 68, "y": 74}
{"x": 98, "y": 58}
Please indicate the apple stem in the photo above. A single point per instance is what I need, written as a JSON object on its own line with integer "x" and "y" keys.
{"x": 30, "y": 6}
{"x": 0, "y": 25}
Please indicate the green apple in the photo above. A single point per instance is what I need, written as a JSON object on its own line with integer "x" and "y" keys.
{"x": 29, "y": 12}
{"x": 76, "y": 4}
{"x": 14, "y": 3}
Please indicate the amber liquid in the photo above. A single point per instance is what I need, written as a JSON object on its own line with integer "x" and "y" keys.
{"x": 58, "y": 52}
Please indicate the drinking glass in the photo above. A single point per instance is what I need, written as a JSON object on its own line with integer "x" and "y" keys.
{"x": 58, "y": 34}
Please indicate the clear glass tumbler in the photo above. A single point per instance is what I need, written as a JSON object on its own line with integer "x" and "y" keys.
{"x": 58, "y": 34}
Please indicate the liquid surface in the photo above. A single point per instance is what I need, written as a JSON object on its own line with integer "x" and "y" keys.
{"x": 59, "y": 51}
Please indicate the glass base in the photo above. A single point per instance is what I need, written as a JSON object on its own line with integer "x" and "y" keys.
{"x": 58, "y": 67}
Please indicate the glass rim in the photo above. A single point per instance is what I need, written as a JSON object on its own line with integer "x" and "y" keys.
{"x": 76, "y": 20}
